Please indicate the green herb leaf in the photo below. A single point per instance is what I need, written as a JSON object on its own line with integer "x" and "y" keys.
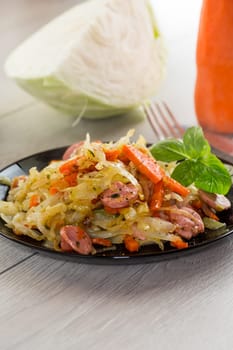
{"x": 196, "y": 163}
{"x": 212, "y": 176}
{"x": 195, "y": 143}
{"x": 169, "y": 150}
{"x": 185, "y": 172}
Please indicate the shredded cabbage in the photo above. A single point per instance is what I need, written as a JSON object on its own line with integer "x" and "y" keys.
{"x": 74, "y": 192}
{"x": 100, "y": 58}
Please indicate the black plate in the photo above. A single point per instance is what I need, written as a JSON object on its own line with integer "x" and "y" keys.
{"x": 146, "y": 254}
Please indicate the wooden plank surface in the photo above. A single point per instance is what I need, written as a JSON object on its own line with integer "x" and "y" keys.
{"x": 11, "y": 255}
{"x": 170, "y": 305}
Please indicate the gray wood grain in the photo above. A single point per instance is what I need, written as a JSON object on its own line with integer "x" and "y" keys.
{"x": 12, "y": 254}
{"x": 47, "y": 303}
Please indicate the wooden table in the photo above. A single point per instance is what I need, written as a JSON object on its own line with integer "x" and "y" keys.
{"x": 185, "y": 303}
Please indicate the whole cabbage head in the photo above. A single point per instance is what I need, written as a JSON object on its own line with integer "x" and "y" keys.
{"x": 98, "y": 59}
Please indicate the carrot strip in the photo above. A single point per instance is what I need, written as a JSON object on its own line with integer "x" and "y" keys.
{"x": 157, "y": 196}
{"x": 175, "y": 186}
{"x": 61, "y": 184}
{"x": 71, "y": 179}
{"x": 102, "y": 241}
{"x": 57, "y": 185}
{"x": 53, "y": 190}
{"x": 131, "y": 244}
{"x": 197, "y": 204}
{"x": 69, "y": 167}
{"x": 145, "y": 164}
{"x": 179, "y": 243}
{"x": 112, "y": 154}
{"x": 34, "y": 200}
{"x": 208, "y": 212}
{"x": 68, "y": 181}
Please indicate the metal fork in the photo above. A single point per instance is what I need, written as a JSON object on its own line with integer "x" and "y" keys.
{"x": 164, "y": 124}
{"x": 162, "y": 121}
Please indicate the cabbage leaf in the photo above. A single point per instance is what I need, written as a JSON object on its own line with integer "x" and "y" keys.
{"x": 100, "y": 58}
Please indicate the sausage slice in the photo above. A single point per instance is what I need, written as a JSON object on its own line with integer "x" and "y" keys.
{"x": 187, "y": 226}
{"x": 119, "y": 195}
{"x": 74, "y": 238}
{"x": 216, "y": 201}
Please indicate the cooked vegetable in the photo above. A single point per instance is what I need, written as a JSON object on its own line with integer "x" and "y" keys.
{"x": 179, "y": 243}
{"x": 131, "y": 244}
{"x": 196, "y": 164}
{"x": 96, "y": 200}
{"x": 100, "y": 58}
{"x": 5, "y": 180}
{"x": 156, "y": 199}
{"x": 212, "y": 224}
{"x": 175, "y": 186}
{"x": 102, "y": 241}
{"x": 34, "y": 200}
{"x": 145, "y": 164}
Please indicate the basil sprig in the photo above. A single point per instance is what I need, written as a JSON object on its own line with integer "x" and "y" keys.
{"x": 195, "y": 162}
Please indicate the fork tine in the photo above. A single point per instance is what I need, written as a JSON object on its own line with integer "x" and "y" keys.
{"x": 156, "y": 124}
{"x": 160, "y": 118}
{"x": 150, "y": 118}
{"x": 175, "y": 121}
{"x": 170, "y": 130}
{"x": 163, "y": 121}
